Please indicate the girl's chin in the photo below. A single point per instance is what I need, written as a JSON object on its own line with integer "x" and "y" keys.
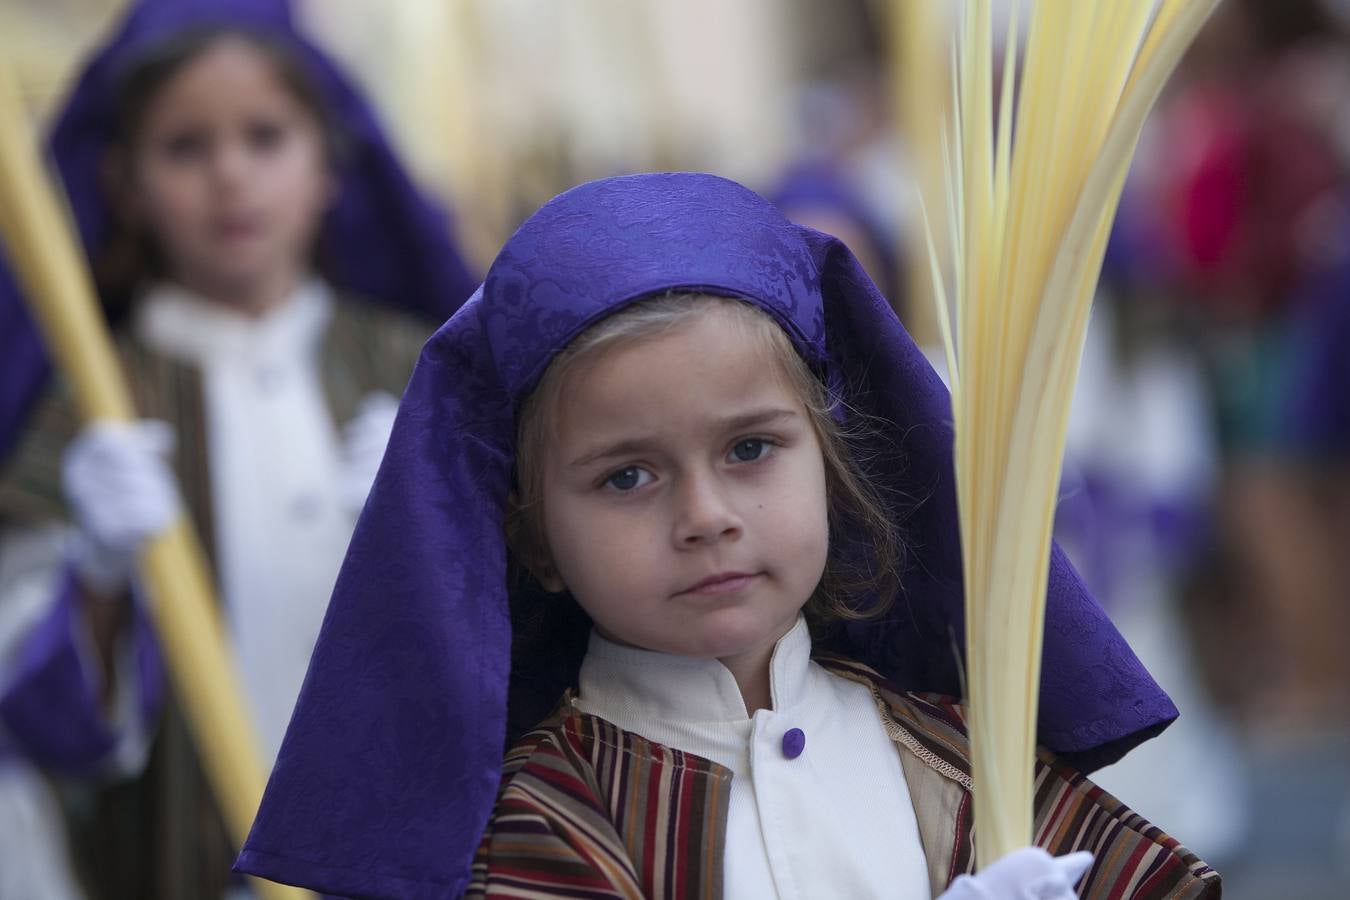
{"x": 247, "y": 287}
{"x": 737, "y": 635}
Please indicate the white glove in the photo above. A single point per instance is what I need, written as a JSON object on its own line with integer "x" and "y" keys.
{"x": 122, "y": 492}
{"x": 1026, "y": 874}
{"x": 364, "y": 440}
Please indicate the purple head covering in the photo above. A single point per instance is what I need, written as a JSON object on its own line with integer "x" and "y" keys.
{"x": 390, "y": 768}
{"x": 381, "y": 238}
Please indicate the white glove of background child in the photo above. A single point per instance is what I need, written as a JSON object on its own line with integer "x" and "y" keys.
{"x": 364, "y": 440}
{"x": 119, "y": 486}
{"x": 1026, "y": 874}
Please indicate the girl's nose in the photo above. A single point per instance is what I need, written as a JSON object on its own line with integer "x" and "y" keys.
{"x": 705, "y": 513}
{"x": 230, "y": 163}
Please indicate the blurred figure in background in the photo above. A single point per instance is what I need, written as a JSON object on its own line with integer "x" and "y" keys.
{"x": 238, "y": 202}
{"x": 1140, "y": 470}
{"x": 1252, "y": 207}
{"x": 1241, "y": 207}
{"x": 817, "y": 194}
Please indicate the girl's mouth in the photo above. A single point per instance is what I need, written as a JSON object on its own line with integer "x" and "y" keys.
{"x": 236, "y": 227}
{"x": 721, "y": 583}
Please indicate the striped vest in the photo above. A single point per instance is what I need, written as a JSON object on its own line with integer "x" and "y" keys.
{"x": 589, "y": 810}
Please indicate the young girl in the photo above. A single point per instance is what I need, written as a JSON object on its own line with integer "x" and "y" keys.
{"x": 662, "y": 467}
{"x": 236, "y": 198}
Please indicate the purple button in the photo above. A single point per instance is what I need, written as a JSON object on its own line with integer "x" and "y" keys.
{"x": 794, "y": 742}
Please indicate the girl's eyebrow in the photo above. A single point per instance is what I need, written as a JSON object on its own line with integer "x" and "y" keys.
{"x": 753, "y": 419}
{"x": 756, "y": 418}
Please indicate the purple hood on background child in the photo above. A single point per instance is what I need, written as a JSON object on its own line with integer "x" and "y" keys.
{"x": 382, "y": 238}
{"x": 822, "y": 186}
{"x": 391, "y": 765}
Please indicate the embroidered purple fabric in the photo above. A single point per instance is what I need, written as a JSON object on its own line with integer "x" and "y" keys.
{"x": 381, "y": 239}
{"x": 390, "y": 768}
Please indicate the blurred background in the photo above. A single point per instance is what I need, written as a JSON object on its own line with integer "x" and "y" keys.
{"x": 1206, "y": 493}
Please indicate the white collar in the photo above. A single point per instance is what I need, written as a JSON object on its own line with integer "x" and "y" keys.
{"x": 188, "y": 327}
{"x": 687, "y": 689}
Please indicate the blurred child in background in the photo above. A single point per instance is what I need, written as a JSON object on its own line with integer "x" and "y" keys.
{"x": 239, "y": 205}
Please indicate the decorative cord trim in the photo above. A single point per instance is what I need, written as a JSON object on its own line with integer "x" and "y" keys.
{"x": 901, "y": 735}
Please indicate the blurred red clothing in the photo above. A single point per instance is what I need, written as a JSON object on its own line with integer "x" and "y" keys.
{"x": 1248, "y": 172}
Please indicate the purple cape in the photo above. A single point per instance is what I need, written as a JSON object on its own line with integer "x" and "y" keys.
{"x": 390, "y": 768}
{"x": 381, "y": 239}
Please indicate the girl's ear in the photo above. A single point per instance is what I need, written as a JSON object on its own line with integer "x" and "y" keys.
{"x": 116, "y": 179}
{"x": 548, "y": 576}
{"x": 332, "y": 189}
{"x": 529, "y": 548}
{"x": 127, "y": 255}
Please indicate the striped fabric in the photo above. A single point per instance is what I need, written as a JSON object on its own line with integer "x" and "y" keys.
{"x": 588, "y": 810}
{"x": 1132, "y": 858}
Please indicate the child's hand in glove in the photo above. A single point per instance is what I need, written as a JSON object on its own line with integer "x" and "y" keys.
{"x": 1026, "y": 874}
{"x": 122, "y": 493}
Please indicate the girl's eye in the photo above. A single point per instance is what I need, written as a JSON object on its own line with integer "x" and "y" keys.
{"x": 750, "y": 449}
{"x": 185, "y": 146}
{"x": 628, "y": 478}
{"x": 265, "y": 135}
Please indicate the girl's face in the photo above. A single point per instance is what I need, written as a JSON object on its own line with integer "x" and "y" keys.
{"x": 230, "y": 176}
{"x": 684, "y": 496}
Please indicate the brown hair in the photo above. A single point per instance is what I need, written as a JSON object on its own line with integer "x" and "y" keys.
{"x": 865, "y": 549}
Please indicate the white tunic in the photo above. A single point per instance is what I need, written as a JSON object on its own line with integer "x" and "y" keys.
{"x": 281, "y": 529}
{"x": 836, "y": 821}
